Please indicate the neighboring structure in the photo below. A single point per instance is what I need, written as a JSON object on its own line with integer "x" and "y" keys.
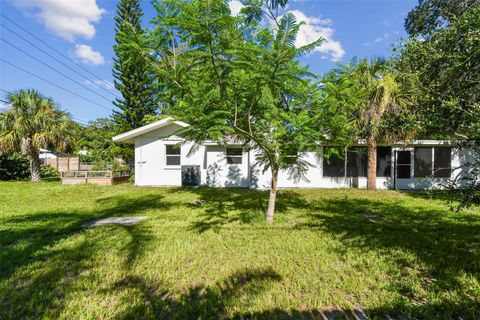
{"x": 59, "y": 161}
{"x": 45, "y": 154}
{"x": 163, "y": 159}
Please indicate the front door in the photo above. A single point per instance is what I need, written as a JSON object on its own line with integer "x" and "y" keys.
{"x": 402, "y": 168}
{"x": 139, "y": 166}
{"x": 404, "y": 164}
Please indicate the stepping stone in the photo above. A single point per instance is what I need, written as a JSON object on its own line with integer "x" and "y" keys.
{"x": 372, "y": 217}
{"x": 124, "y": 221}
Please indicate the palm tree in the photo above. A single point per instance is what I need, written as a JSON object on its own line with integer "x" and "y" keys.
{"x": 386, "y": 94}
{"x": 34, "y": 122}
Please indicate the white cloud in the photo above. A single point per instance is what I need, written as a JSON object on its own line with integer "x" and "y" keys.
{"x": 102, "y": 83}
{"x": 315, "y": 28}
{"x": 4, "y": 106}
{"x": 88, "y": 55}
{"x": 68, "y": 19}
{"x": 382, "y": 38}
{"x": 235, "y": 7}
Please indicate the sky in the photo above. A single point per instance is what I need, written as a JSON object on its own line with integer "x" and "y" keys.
{"x": 75, "y": 66}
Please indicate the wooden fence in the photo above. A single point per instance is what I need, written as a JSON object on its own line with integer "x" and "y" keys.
{"x": 62, "y": 164}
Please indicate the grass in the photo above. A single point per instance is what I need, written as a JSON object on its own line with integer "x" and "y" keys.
{"x": 386, "y": 253}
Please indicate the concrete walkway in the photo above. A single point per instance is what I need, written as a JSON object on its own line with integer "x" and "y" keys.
{"x": 125, "y": 221}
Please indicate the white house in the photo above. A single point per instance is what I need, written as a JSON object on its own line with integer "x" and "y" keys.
{"x": 160, "y": 162}
{"x": 45, "y": 154}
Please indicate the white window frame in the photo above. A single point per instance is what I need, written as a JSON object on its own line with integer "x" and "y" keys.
{"x": 179, "y": 155}
{"x": 412, "y": 161}
{"x": 434, "y": 160}
{"x": 234, "y": 156}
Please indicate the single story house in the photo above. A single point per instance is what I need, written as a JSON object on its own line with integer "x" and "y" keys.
{"x": 160, "y": 162}
{"x": 45, "y": 154}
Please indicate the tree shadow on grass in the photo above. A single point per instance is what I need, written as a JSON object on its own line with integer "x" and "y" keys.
{"x": 446, "y": 311}
{"x": 222, "y": 206}
{"x": 41, "y": 293}
{"x": 126, "y": 205}
{"x": 29, "y": 240}
{"x": 24, "y": 240}
{"x": 140, "y": 237}
{"x": 449, "y": 198}
{"x": 448, "y": 246}
{"x": 198, "y": 302}
{"x": 26, "y": 235}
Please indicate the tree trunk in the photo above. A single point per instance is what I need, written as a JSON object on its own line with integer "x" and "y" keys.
{"x": 372, "y": 163}
{"x": 34, "y": 167}
{"x": 273, "y": 196}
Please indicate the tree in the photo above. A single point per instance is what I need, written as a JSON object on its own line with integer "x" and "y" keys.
{"x": 443, "y": 51}
{"x": 446, "y": 62}
{"x": 96, "y": 138}
{"x": 133, "y": 76}
{"x": 385, "y": 112}
{"x": 229, "y": 77}
{"x": 431, "y": 15}
{"x": 464, "y": 189}
{"x": 34, "y": 122}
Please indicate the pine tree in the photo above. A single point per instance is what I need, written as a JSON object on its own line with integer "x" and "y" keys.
{"x": 134, "y": 78}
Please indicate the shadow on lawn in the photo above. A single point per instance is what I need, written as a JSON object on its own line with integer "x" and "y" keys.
{"x": 28, "y": 234}
{"x": 199, "y": 302}
{"x": 391, "y": 312}
{"x": 222, "y": 206}
{"x": 448, "y": 245}
{"x": 29, "y": 240}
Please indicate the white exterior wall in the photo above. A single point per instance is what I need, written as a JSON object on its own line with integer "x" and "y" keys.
{"x": 150, "y": 159}
{"x": 151, "y": 168}
{"x": 314, "y": 177}
{"x": 221, "y": 174}
{"x": 421, "y": 183}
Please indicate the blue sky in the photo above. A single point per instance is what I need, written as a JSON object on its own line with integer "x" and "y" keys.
{"x": 83, "y": 30}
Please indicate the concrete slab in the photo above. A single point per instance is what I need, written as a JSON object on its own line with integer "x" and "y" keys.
{"x": 125, "y": 221}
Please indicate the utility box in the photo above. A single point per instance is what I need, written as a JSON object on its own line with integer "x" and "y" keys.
{"x": 191, "y": 176}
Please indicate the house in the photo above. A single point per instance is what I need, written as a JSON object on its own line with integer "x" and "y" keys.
{"x": 163, "y": 159}
{"x": 45, "y": 154}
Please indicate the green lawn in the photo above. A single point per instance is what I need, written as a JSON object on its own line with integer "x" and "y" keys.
{"x": 387, "y": 253}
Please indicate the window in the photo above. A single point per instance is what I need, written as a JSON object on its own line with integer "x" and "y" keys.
{"x": 290, "y": 155}
{"x": 442, "y": 167}
{"x": 234, "y": 155}
{"x": 423, "y": 162}
{"x": 173, "y": 154}
{"x": 436, "y": 161}
{"x": 403, "y": 164}
{"x": 384, "y": 161}
{"x": 334, "y": 165}
{"x": 357, "y": 159}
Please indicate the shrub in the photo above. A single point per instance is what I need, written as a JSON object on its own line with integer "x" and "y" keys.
{"x": 48, "y": 172}
{"x": 88, "y": 158}
{"x": 14, "y": 166}
{"x": 109, "y": 165}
